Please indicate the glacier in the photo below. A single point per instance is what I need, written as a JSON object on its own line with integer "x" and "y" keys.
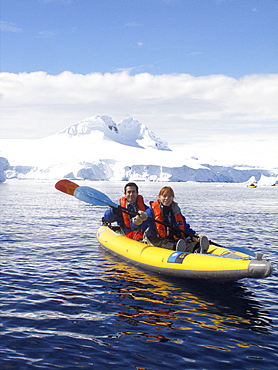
{"x": 99, "y": 149}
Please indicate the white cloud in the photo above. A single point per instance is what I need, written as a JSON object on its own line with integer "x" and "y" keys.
{"x": 216, "y": 111}
{"x": 56, "y": 32}
{"x": 47, "y": 34}
{"x": 195, "y": 53}
{"x": 9, "y": 27}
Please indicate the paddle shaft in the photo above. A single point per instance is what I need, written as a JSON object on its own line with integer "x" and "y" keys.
{"x": 69, "y": 187}
{"x": 132, "y": 213}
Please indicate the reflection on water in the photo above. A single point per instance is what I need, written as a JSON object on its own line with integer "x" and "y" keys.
{"x": 182, "y": 304}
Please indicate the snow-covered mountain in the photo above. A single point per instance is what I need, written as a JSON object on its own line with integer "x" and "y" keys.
{"x": 128, "y": 132}
{"x": 99, "y": 149}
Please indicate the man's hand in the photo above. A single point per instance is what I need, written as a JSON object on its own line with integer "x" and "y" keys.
{"x": 117, "y": 210}
{"x": 140, "y": 218}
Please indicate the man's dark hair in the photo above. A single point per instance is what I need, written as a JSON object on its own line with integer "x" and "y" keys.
{"x": 131, "y": 184}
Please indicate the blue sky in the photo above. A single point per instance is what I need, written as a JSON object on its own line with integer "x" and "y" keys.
{"x": 199, "y": 37}
{"x": 201, "y": 74}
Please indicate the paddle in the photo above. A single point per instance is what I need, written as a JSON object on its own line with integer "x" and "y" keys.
{"x": 97, "y": 198}
{"x": 66, "y": 186}
{"x": 86, "y": 194}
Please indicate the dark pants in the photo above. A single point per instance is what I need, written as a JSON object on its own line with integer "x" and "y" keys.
{"x": 171, "y": 244}
{"x": 163, "y": 243}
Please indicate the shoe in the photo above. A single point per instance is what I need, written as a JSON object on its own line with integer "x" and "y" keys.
{"x": 181, "y": 245}
{"x": 204, "y": 244}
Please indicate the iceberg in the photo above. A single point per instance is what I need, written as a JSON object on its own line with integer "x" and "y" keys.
{"x": 4, "y": 166}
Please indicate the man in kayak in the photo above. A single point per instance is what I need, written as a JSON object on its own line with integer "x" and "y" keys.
{"x": 167, "y": 211}
{"x": 132, "y": 225}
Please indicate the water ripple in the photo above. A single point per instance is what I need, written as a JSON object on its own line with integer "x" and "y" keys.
{"x": 66, "y": 304}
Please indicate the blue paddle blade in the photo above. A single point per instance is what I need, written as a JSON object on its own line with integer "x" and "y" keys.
{"x": 93, "y": 196}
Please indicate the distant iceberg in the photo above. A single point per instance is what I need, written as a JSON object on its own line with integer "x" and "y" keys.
{"x": 4, "y": 166}
{"x": 107, "y": 170}
{"x": 267, "y": 180}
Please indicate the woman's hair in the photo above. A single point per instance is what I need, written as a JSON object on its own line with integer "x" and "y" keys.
{"x": 169, "y": 190}
{"x": 166, "y": 189}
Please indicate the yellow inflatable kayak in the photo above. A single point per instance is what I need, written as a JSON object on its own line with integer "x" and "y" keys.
{"x": 219, "y": 263}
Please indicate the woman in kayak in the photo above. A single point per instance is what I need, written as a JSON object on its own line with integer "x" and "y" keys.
{"x": 170, "y": 235}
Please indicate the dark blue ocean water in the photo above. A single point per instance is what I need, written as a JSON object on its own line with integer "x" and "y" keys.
{"x": 65, "y": 304}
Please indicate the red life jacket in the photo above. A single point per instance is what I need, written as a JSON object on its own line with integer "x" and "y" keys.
{"x": 141, "y": 207}
{"x": 161, "y": 229}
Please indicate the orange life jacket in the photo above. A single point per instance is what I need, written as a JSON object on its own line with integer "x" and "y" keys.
{"x": 161, "y": 229}
{"x": 141, "y": 207}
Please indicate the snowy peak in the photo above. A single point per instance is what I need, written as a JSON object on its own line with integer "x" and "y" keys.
{"x": 89, "y": 125}
{"x": 128, "y": 132}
